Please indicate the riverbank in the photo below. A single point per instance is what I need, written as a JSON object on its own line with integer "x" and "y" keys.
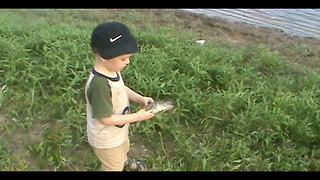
{"x": 300, "y": 50}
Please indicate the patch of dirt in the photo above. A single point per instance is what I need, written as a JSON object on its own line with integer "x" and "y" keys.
{"x": 2, "y": 119}
{"x": 22, "y": 138}
{"x": 137, "y": 149}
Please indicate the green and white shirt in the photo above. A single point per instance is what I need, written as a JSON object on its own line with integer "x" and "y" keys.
{"x": 105, "y": 96}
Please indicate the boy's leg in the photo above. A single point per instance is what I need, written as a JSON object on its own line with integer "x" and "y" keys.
{"x": 113, "y": 159}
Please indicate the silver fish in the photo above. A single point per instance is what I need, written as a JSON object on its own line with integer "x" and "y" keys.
{"x": 160, "y": 106}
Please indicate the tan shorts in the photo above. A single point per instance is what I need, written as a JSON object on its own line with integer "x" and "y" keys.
{"x": 113, "y": 159}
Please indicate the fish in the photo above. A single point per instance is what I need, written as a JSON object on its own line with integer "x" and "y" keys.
{"x": 160, "y": 106}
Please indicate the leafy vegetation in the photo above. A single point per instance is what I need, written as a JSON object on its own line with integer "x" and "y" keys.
{"x": 242, "y": 109}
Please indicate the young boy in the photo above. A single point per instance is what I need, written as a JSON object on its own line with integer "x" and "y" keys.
{"x": 108, "y": 113}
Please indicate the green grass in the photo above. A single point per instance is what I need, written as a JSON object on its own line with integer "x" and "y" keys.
{"x": 242, "y": 109}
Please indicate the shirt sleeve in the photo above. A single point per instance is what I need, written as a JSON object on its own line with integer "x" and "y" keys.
{"x": 100, "y": 98}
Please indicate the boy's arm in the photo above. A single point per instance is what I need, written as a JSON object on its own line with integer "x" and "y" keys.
{"x": 133, "y": 96}
{"x": 118, "y": 119}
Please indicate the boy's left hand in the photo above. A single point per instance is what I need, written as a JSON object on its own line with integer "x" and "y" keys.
{"x": 146, "y": 100}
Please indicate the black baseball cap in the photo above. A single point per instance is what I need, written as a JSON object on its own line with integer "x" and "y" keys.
{"x": 112, "y": 39}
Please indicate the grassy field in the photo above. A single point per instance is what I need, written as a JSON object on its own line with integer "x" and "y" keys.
{"x": 237, "y": 109}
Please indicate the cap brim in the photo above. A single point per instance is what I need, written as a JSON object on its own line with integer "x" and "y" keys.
{"x": 128, "y": 48}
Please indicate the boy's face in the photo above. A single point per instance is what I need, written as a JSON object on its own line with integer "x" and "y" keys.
{"x": 116, "y": 64}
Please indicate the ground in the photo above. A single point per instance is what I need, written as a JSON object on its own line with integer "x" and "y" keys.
{"x": 302, "y": 51}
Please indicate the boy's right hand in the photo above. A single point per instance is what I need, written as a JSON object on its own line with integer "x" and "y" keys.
{"x": 145, "y": 115}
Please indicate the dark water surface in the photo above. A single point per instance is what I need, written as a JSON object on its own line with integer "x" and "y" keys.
{"x": 297, "y": 22}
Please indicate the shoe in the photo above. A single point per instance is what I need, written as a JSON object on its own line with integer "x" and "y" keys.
{"x": 132, "y": 164}
{"x": 136, "y": 165}
{"x": 140, "y": 166}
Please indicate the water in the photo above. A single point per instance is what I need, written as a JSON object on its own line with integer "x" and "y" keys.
{"x": 297, "y": 22}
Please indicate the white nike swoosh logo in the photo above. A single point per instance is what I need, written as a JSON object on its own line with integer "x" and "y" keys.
{"x": 116, "y": 38}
